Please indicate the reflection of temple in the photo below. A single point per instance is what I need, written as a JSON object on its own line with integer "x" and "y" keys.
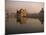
{"x": 20, "y": 14}
{"x": 24, "y": 14}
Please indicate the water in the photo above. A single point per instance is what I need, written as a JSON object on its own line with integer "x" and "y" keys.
{"x": 31, "y": 25}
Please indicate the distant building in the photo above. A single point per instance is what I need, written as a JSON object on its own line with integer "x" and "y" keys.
{"x": 20, "y": 15}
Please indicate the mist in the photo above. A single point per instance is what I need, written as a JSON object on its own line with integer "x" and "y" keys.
{"x": 31, "y": 7}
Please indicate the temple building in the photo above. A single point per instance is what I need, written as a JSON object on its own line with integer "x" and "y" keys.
{"x": 21, "y": 16}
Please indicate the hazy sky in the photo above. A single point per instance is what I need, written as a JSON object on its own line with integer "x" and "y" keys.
{"x": 31, "y": 7}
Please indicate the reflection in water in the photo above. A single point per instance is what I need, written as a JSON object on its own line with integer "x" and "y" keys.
{"x": 29, "y": 24}
{"x": 20, "y": 14}
{"x": 32, "y": 25}
{"x": 23, "y": 24}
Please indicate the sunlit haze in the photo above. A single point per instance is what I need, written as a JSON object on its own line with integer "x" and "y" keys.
{"x": 31, "y": 7}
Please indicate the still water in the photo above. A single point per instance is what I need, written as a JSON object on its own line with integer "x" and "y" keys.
{"x": 31, "y": 25}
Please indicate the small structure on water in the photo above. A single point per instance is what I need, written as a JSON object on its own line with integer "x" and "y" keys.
{"x": 20, "y": 16}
